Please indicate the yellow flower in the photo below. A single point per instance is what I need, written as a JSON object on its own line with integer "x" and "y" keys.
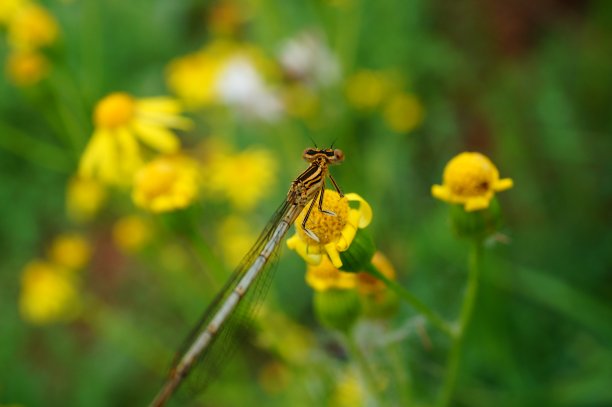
{"x": 8, "y": 9}
{"x": 335, "y": 233}
{"x": 367, "y": 89}
{"x": 243, "y": 178}
{"x": 225, "y": 73}
{"x": 348, "y": 392}
{"x": 325, "y": 276}
{"x": 113, "y": 154}
{"x": 84, "y": 198}
{"x": 403, "y": 113}
{"x": 470, "y": 179}
{"x": 166, "y": 184}
{"x": 130, "y": 233}
{"x": 26, "y": 68}
{"x": 32, "y": 27}
{"x": 47, "y": 294}
{"x": 70, "y": 251}
{"x": 193, "y": 77}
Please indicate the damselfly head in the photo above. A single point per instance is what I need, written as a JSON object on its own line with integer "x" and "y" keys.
{"x": 328, "y": 155}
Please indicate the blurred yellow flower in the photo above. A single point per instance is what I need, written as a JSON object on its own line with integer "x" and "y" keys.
{"x": 113, "y": 154}
{"x": 8, "y": 9}
{"x": 335, "y": 233}
{"x": 243, "y": 178}
{"x": 165, "y": 184}
{"x": 236, "y": 238}
{"x": 48, "y": 294}
{"x": 26, "y": 68}
{"x": 70, "y": 251}
{"x": 84, "y": 198}
{"x": 403, "y": 112}
{"x": 193, "y": 77}
{"x": 131, "y": 233}
{"x": 31, "y": 27}
{"x": 470, "y": 179}
{"x": 367, "y": 89}
{"x": 225, "y": 73}
{"x": 348, "y": 392}
{"x": 325, "y": 276}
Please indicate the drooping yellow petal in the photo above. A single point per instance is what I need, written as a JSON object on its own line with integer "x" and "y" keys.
{"x": 93, "y": 155}
{"x": 128, "y": 151}
{"x": 156, "y": 137}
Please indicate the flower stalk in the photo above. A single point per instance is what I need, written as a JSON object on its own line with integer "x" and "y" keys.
{"x": 475, "y": 260}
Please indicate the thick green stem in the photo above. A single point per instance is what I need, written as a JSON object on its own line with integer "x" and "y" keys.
{"x": 452, "y": 368}
{"x": 407, "y": 296}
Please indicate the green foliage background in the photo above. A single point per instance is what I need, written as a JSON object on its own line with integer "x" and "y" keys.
{"x": 526, "y": 83}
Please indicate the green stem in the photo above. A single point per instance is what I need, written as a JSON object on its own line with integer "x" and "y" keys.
{"x": 452, "y": 368}
{"x": 407, "y": 296}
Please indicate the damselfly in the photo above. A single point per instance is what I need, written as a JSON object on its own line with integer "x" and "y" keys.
{"x": 211, "y": 336}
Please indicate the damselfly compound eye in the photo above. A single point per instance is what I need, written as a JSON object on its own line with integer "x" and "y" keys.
{"x": 308, "y": 154}
{"x": 338, "y": 155}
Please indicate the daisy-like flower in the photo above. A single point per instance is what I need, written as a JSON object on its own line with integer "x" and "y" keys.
{"x": 48, "y": 294}
{"x": 470, "y": 179}
{"x": 166, "y": 184}
{"x": 114, "y": 154}
{"x": 335, "y": 233}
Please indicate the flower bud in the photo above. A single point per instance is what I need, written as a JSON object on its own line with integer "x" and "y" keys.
{"x": 337, "y": 309}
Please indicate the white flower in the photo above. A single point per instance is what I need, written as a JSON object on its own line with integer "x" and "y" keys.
{"x": 240, "y": 85}
{"x": 307, "y": 57}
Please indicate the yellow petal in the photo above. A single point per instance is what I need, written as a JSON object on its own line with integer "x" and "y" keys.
{"x": 158, "y": 138}
{"x": 365, "y": 211}
{"x": 90, "y": 159}
{"x": 477, "y": 203}
{"x": 109, "y": 160}
{"x": 129, "y": 152}
{"x": 159, "y": 104}
{"x": 503, "y": 184}
{"x": 440, "y": 192}
{"x": 333, "y": 254}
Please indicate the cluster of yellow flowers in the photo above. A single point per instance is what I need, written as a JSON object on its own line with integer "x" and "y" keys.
{"x": 30, "y": 27}
{"x": 368, "y": 90}
{"x": 49, "y": 288}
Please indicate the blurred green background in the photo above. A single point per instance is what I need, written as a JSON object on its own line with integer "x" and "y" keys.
{"x": 526, "y": 83}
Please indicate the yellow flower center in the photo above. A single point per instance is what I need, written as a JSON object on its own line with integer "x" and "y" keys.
{"x": 470, "y": 174}
{"x": 326, "y": 227}
{"x": 115, "y": 110}
{"x": 158, "y": 179}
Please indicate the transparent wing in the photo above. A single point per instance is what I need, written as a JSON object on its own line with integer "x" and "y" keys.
{"x": 210, "y": 362}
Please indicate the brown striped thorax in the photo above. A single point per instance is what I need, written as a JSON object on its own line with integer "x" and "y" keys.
{"x": 309, "y": 183}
